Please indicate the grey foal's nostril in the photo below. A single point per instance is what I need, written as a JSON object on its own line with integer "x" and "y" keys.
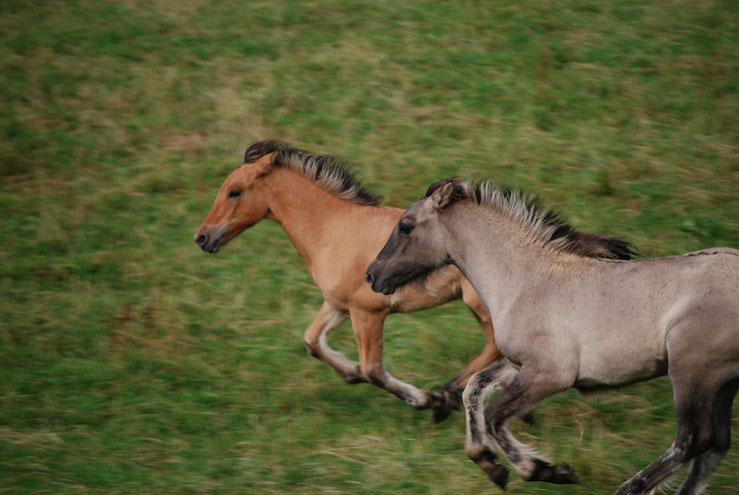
{"x": 368, "y": 277}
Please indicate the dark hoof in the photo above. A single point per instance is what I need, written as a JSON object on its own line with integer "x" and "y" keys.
{"x": 440, "y": 415}
{"x": 564, "y": 475}
{"x": 559, "y": 474}
{"x": 528, "y": 417}
{"x": 453, "y": 395}
{"x": 439, "y": 406}
{"x": 497, "y": 473}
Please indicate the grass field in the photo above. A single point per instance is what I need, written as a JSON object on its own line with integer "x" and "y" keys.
{"x": 131, "y": 362}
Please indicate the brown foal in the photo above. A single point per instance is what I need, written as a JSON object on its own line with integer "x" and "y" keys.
{"x": 338, "y": 227}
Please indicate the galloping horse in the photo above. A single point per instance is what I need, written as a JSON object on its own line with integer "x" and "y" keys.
{"x": 564, "y": 321}
{"x": 338, "y": 226}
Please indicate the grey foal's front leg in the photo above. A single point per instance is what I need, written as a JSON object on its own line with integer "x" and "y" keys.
{"x": 479, "y": 446}
{"x": 526, "y": 389}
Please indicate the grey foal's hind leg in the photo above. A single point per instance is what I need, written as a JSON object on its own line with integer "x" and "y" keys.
{"x": 705, "y": 464}
{"x": 479, "y": 446}
{"x": 695, "y": 435}
{"x": 528, "y": 388}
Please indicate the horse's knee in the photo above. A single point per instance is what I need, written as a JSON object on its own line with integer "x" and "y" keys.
{"x": 470, "y": 393}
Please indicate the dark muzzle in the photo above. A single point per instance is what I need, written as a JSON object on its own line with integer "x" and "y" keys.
{"x": 378, "y": 286}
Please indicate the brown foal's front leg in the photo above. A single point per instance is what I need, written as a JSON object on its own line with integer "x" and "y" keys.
{"x": 315, "y": 337}
{"x": 368, "y": 333}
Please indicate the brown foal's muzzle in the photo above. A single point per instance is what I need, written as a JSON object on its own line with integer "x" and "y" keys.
{"x": 209, "y": 239}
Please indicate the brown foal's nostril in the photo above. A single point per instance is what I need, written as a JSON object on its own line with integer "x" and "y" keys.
{"x": 201, "y": 239}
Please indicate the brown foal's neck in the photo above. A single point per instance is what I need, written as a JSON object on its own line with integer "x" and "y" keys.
{"x": 309, "y": 215}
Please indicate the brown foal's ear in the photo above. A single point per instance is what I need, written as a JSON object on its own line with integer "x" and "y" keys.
{"x": 443, "y": 195}
{"x": 262, "y": 166}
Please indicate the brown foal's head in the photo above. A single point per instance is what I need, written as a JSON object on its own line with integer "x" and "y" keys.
{"x": 240, "y": 203}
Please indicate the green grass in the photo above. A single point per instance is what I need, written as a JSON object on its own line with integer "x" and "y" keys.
{"x": 131, "y": 362}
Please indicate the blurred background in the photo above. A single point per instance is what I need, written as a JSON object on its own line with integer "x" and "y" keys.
{"x": 132, "y": 362}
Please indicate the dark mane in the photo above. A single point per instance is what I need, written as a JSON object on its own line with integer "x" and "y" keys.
{"x": 325, "y": 170}
{"x": 543, "y": 223}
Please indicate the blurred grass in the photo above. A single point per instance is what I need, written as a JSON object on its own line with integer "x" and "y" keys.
{"x": 133, "y": 363}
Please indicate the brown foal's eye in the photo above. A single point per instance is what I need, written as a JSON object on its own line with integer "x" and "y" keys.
{"x": 234, "y": 194}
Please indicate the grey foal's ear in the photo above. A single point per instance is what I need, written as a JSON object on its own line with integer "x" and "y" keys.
{"x": 443, "y": 195}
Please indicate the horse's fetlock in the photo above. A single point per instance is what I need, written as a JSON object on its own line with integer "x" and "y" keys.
{"x": 452, "y": 395}
{"x": 353, "y": 380}
{"x": 475, "y": 450}
{"x": 497, "y": 473}
{"x": 376, "y": 375}
{"x": 440, "y": 405}
{"x": 312, "y": 351}
{"x": 354, "y": 377}
{"x": 453, "y": 389}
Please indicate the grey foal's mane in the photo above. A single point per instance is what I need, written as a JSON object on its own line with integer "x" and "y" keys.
{"x": 543, "y": 225}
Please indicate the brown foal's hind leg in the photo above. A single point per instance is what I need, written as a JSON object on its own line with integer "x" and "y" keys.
{"x": 452, "y": 392}
{"x": 368, "y": 333}
{"x": 527, "y": 389}
{"x": 315, "y": 337}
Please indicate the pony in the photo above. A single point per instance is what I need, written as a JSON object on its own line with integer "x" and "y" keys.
{"x": 338, "y": 226}
{"x": 563, "y": 320}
